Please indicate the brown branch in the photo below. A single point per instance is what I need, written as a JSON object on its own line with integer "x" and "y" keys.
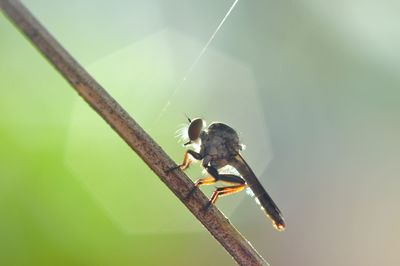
{"x": 151, "y": 153}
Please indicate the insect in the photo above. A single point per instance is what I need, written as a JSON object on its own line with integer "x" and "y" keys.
{"x": 219, "y": 146}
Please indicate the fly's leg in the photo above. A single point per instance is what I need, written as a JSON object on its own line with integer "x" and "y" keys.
{"x": 205, "y": 181}
{"x": 202, "y": 181}
{"x": 215, "y": 176}
{"x": 223, "y": 191}
{"x": 232, "y": 179}
{"x": 187, "y": 160}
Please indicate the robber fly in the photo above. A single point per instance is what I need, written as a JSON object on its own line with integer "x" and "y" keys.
{"x": 219, "y": 146}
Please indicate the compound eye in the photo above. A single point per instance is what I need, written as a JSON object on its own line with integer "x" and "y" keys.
{"x": 195, "y": 128}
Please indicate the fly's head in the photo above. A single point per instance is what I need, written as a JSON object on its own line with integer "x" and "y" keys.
{"x": 196, "y": 126}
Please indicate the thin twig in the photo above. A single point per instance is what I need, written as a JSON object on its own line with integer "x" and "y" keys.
{"x": 151, "y": 153}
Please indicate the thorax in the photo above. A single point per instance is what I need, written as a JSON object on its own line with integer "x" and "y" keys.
{"x": 219, "y": 145}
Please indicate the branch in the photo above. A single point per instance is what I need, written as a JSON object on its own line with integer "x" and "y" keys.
{"x": 151, "y": 153}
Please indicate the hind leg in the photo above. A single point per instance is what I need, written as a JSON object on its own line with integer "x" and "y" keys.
{"x": 224, "y": 191}
{"x": 239, "y": 182}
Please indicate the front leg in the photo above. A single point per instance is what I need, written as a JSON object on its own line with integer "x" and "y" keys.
{"x": 187, "y": 160}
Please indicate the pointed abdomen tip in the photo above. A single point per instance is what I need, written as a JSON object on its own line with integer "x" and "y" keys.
{"x": 279, "y": 226}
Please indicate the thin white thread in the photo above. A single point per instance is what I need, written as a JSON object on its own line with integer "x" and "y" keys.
{"x": 195, "y": 62}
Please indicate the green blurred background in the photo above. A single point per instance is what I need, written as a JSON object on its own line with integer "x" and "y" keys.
{"x": 313, "y": 87}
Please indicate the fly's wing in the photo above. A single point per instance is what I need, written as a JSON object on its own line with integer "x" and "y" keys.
{"x": 266, "y": 202}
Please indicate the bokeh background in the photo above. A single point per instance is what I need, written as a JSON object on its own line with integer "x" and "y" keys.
{"x": 313, "y": 87}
